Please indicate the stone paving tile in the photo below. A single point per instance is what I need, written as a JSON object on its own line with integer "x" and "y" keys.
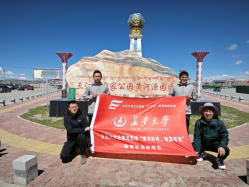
{"x": 119, "y": 169}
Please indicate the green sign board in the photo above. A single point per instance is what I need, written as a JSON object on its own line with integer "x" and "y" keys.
{"x": 71, "y": 94}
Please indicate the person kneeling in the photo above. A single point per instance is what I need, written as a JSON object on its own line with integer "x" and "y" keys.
{"x": 211, "y": 134}
{"x": 77, "y": 134}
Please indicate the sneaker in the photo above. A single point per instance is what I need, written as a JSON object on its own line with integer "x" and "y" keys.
{"x": 201, "y": 156}
{"x": 220, "y": 163}
{"x": 83, "y": 159}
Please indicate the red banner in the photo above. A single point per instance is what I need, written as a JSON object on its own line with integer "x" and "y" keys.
{"x": 140, "y": 126}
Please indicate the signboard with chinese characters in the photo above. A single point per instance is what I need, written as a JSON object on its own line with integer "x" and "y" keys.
{"x": 127, "y": 85}
{"x": 50, "y": 74}
{"x": 140, "y": 126}
{"x": 40, "y": 73}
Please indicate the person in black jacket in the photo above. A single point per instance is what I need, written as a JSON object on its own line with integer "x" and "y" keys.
{"x": 77, "y": 134}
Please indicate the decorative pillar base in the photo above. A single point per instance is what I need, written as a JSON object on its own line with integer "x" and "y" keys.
{"x": 64, "y": 93}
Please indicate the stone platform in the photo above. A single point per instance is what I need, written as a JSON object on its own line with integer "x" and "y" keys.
{"x": 59, "y": 107}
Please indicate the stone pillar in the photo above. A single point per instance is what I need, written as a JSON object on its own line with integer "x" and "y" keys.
{"x": 139, "y": 47}
{"x": 136, "y": 43}
{"x": 199, "y": 56}
{"x": 132, "y": 44}
{"x": 64, "y": 56}
{"x": 25, "y": 169}
{"x": 198, "y": 79}
{"x": 64, "y": 70}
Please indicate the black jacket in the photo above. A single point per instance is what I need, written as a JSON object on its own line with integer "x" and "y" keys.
{"x": 76, "y": 124}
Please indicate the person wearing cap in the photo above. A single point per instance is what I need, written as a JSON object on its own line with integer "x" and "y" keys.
{"x": 210, "y": 134}
{"x": 93, "y": 91}
{"x": 187, "y": 90}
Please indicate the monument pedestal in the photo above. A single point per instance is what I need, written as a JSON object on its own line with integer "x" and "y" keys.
{"x": 196, "y": 104}
{"x": 59, "y": 107}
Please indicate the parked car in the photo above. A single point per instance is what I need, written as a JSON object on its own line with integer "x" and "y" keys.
{"x": 4, "y": 89}
{"x": 20, "y": 87}
{"x": 12, "y": 87}
{"x": 217, "y": 89}
{"x": 30, "y": 88}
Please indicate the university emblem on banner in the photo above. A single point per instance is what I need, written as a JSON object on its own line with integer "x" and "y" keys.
{"x": 120, "y": 121}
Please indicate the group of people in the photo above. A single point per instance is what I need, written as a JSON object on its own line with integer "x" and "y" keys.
{"x": 210, "y": 134}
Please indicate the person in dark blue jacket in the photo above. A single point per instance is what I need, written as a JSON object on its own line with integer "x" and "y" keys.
{"x": 77, "y": 134}
{"x": 211, "y": 134}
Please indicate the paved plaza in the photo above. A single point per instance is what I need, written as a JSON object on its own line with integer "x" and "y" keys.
{"x": 20, "y": 137}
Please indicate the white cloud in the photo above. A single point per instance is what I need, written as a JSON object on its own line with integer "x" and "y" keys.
{"x": 244, "y": 76}
{"x": 247, "y": 41}
{"x": 246, "y": 73}
{"x": 235, "y": 56}
{"x": 20, "y": 74}
{"x": 238, "y": 62}
{"x": 11, "y": 75}
{"x": 22, "y": 78}
{"x": 232, "y": 47}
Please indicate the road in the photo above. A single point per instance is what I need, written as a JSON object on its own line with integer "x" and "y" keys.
{"x": 16, "y": 94}
{"x": 232, "y": 92}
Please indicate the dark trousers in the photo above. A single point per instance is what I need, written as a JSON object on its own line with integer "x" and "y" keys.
{"x": 187, "y": 121}
{"x": 68, "y": 150}
{"x": 215, "y": 149}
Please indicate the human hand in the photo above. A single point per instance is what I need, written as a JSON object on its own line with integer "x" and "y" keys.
{"x": 221, "y": 151}
{"x": 196, "y": 153}
{"x": 188, "y": 96}
{"x": 87, "y": 128}
{"x": 90, "y": 149}
{"x": 95, "y": 95}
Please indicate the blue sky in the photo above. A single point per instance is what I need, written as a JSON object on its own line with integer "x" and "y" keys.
{"x": 31, "y": 31}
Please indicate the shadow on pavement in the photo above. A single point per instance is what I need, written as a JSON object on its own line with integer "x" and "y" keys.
{"x": 243, "y": 178}
{"x": 212, "y": 159}
{"x": 40, "y": 172}
{"x": 2, "y": 150}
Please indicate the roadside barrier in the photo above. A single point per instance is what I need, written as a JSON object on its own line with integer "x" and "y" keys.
{"x": 241, "y": 99}
{"x": 21, "y": 99}
{"x": 32, "y": 97}
{"x": 27, "y": 97}
{"x": 13, "y": 100}
{"x": 221, "y": 95}
{"x": 233, "y": 97}
{"x": 226, "y": 96}
{"x": 2, "y": 102}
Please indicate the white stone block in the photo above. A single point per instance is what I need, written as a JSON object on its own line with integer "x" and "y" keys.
{"x": 25, "y": 169}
